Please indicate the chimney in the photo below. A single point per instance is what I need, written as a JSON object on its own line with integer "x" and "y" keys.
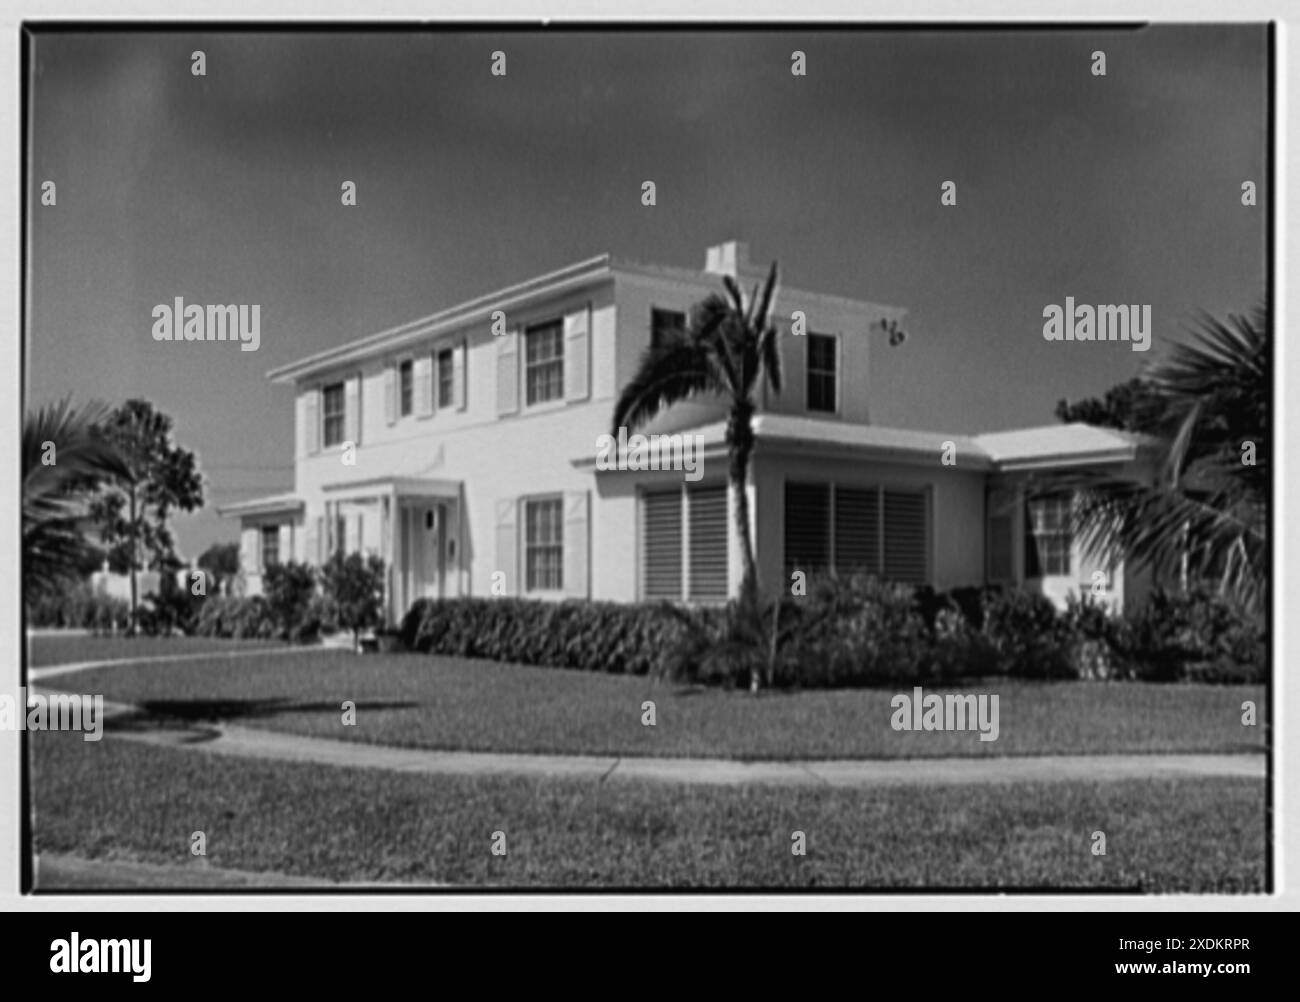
{"x": 730, "y": 258}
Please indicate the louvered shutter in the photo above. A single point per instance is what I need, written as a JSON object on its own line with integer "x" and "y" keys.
{"x": 662, "y": 545}
{"x": 352, "y": 410}
{"x": 311, "y": 419}
{"x": 507, "y": 533}
{"x": 422, "y": 376}
{"x": 807, "y": 527}
{"x": 577, "y": 565}
{"x": 458, "y": 377}
{"x": 390, "y": 393}
{"x": 707, "y": 518}
{"x": 577, "y": 338}
{"x": 857, "y": 530}
{"x": 508, "y": 372}
{"x": 906, "y": 537}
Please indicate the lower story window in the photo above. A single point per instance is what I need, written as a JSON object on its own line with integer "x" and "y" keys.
{"x": 1047, "y": 525}
{"x": 270, "y": 545}
{"x": 544, "y": 544}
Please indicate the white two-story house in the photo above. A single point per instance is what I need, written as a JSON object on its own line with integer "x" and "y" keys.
{"x": 462, "y": 449}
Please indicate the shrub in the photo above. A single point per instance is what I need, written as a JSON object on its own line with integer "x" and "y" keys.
{"x": 288, "y": 588}
{"x": 355, "y": 586}
{"x": 1197, "y": 636}
{"x": 237, "y": 617}
{"x": 1030, "y": 637}
{"x": 80, "y": 607}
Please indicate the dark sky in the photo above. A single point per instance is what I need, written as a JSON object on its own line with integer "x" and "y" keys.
{"x": 225, "y": 189}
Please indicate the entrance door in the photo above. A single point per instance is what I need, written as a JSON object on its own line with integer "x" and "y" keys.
{"x": 424, "y": 538}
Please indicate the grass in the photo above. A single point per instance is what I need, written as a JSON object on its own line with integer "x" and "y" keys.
{"x": 448, "y": 703}
{"x": 125, "y": 801}
{"x": 54, "y": 649}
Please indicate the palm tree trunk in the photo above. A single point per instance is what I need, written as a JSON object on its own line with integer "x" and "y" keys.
{"x": 130, "y": 630}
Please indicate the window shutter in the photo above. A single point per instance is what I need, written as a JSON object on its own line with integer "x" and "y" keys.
{"x": 390, "y": 393}
{"x": 1001, "y": 561}
{"x": 508, "y": 372}
{"x": 286, "y": 543}
{"x": 422, "y": 377}
{"x": 857, "y": 530}
{"x": 458, "y": 376}
{"x": 250, "y": 556}
{"x": 577, "y": 337}
{"x": 322, "y": 540}
{"x": 508, "y": 544}
{"x": 577, "y": 566}
{"x": 662, "y": 545}
{"x": 807, "y": 527}
{"x": 311, "y": 419}
{"x": 352, "y": 410}
{"x": 907, "y": 556}
{"x": 708, "y": 543}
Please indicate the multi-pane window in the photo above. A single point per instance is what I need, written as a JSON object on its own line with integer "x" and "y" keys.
{"x": 821, "y": 372}
{"x": 1048, "y": 530}
{"x": 333, "y": 414}
{"x": 544, "y": 362}
{"x": 857, "y": 530}
{"x": 665, "y": 324}
{"x": 406, "y": 382}
{"x": 445, "y": 378}
{"x": 544, "y": 544}
{"x": 270, "y": 545}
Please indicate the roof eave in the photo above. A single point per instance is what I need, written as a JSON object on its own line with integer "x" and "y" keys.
{"x": 576, "y": 276}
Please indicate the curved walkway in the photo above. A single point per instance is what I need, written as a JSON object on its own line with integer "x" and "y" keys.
{"x": 123, "y": 721}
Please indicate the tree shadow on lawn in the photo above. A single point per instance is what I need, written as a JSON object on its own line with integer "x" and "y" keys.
{"x": 165, "y": 714}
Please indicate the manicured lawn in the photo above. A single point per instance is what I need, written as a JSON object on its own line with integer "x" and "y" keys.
{"x": 129, "y": 801}
{"x": 54, "y": 649}
{"x": 446, "y": 703}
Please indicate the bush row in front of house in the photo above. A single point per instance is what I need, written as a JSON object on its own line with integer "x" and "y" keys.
{"x": 857, "y": 631}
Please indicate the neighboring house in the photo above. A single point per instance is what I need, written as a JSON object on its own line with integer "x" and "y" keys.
{"x": 467, "y": 459}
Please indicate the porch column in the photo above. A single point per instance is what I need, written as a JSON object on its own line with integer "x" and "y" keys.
{"x": 386, "y": 544}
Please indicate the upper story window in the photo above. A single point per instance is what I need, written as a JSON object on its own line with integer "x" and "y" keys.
{"x": 445, "y": 378}
{"x": 544, "y": 544}
{"x": 270, "y": 545}
{"x": 544, "y": 362}
{"x": 665, "y": 323}
{"x": 406, "y": 382}
{"x": 821, "y": 372}
{"x": 332, "y": 397}
{"x": 1049, "y": 537}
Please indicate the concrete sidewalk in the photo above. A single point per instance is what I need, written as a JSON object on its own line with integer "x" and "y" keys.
{"x": 247, "y": 742}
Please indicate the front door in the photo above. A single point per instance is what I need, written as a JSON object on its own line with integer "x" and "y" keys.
{"x": 423, "y": 532}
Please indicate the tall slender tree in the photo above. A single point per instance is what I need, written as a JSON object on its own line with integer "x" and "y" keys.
{"x": 727, "y": 348}
{"x": 133, "y": 509}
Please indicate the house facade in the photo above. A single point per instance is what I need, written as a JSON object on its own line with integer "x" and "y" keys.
{"x": 464, "y": 449}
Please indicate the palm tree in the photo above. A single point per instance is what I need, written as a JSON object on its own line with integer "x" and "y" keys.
{"x": 1205, "y": 513}
{"x": 728, "y": 348}
{"x": 64, "y": 459}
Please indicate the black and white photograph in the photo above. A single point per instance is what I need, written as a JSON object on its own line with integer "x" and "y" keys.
{"x": 646, "y": 459}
